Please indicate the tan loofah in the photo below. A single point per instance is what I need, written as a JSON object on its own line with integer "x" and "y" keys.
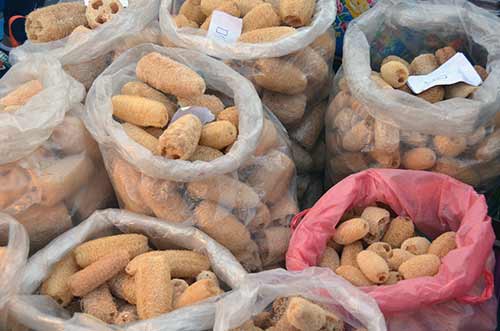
{"x": 101, "y": 11}
{"x": 261, "y": 16}
{"x": 180, "y": 139}
{"x": 288, "y": 109}
{"x": 169, "y": 76}
{"x": 55, "y": 22}
{"x": 297, "y": 13}
{"x": 266, "y": 35}
{"x": 419, "y": 158}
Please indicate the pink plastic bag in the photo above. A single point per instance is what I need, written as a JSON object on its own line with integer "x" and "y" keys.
{"x": 463, "y": 288}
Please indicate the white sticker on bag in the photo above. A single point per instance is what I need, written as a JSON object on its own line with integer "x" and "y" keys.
{"x": 456, "y": 69}
{"x": 224, "y": 27}
{"x": 123, "y": 2}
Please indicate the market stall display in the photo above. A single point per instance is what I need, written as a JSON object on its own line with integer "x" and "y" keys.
{"x": 216, "y": 126}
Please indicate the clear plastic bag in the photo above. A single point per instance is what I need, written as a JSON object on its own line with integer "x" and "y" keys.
{"x": 320, "y": 285}
{"x": 369, "y": 126}
{"x": 23, "y": 131}
{"x": 151, "y": 34}
{"x": 244, "y": 199}
{"x": 85, "y": 54}
{"x": 292, "y": 74}
{"x": 13, "y": 255}
{"x": 51, "y": 169}
{"x": 460, "y": 296}
{"x": 301, "y": 110}
{"x": 196, "y": 39}
{"x": 42, "y": 313}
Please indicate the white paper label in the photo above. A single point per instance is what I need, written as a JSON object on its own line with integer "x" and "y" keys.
{"x": 123, "y": 2}
{"x": 457, "y": 69}
{"x": 225, "y": 27}
{"x": 203, "y": 113}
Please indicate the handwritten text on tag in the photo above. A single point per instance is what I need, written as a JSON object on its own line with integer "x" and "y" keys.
{"x": 225, "y": 27}
{"x": 456, "y": 69}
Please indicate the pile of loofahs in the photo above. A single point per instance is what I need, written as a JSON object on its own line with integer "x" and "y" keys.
{"x": 375, "y": 250}
{"x": 118, "y": 280}
{"x": 63, "y": 177}
{"x": 142, "y": 105}
{"x": 247, "y": 213}
{"x": 294, "y": 313}
{"x": 356, "y": 140}
{"x": 261, "y": 19}
{"x": 395, "y": 71}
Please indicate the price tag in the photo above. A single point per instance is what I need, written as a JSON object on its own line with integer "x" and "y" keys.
{"x": 225, "y": 27}
{"x": 457, "y": 69}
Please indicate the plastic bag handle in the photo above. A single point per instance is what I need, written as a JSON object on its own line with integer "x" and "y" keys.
{"x": 297, "y": 218}
{"x": 12, "y": 39}
{"x": 487, "y": 292}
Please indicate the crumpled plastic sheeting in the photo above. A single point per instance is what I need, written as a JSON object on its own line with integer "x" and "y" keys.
{"x": 436, "y": 203}
{"x": 190, "y": 38}
{"x": 42, "y": 313}
{"x": 451, "y": 315}
{"x": 151, "y": 34}
{"x": 12, "y": 262}
{"x": 99, "y": 116}
{"x": 97, "y": 42}
{"x": 22, "y": 131}
{"x": 320, "y": 285}
{"x": 416, "y": 27}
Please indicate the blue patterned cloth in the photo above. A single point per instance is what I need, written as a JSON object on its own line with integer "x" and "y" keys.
{"x": 347, "y": 10}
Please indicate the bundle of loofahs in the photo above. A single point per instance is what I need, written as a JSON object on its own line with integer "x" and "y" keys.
{"x": 52, "y": 172}
{"x": 169, "y": 112}
{"x": 49, "y": 186}
{"x": 375, "y": 250}
{"x": 126, "y": 269}
{"x": 286, "y": 49}
{"x": 295, "y": 89}
{"x": 375, "y": 120}
{"x": 294, "y": 313}
{"x": 395, "y": 71}
{"x": 146, "y": 112}
{"x": 118, "y": 280}
{"x": 261, "y": 20}
{"x": 357, "y": 140}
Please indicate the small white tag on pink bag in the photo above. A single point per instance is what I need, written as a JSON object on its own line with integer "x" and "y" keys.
{"x": 456, "y": 69}
{"x": 224, "y": 27}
